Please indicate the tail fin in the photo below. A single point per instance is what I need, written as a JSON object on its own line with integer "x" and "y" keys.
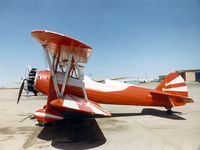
{"x": 173, "y": 84}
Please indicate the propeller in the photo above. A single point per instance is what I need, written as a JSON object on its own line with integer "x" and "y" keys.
{"x": 20, "y": 90}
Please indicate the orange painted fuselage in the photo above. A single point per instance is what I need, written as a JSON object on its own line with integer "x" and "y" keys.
{"x": 132, "y": 95}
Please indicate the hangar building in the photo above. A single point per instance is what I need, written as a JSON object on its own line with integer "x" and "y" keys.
{"x": 190, "y": 75}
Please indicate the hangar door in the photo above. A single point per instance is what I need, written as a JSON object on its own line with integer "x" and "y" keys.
{"x": 197, "y": 76}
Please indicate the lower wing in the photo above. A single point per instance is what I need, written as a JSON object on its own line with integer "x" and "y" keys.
{"x": 80, "y": 104}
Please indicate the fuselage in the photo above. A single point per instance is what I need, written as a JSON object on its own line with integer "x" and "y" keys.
{"x": 110, "y": 92}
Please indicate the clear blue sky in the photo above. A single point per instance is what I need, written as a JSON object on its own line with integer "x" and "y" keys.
{"x": 129, "y": 37}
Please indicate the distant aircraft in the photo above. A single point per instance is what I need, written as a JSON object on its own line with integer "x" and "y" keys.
{"x": 68, "y": 89}
{"x": 126, "y": 79}
{"x": 112, "y": 78}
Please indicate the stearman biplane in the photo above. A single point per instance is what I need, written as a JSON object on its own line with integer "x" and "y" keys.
{"x": 68, "y": 89}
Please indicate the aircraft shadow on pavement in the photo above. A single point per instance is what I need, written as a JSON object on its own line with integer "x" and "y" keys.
{"x": 83, "y": 132}
{"x": 74, "y": 134}
{"x": 150, "y": 111}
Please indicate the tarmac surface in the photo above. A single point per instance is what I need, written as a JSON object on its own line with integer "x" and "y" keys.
{"x": 130, "y": 127}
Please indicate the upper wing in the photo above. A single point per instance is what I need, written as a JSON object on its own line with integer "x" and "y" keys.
{"x": 61, "y": 45}
{"x": 80, "y": 104}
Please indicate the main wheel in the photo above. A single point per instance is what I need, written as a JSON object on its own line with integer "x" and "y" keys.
{"x": 35, "y": 92}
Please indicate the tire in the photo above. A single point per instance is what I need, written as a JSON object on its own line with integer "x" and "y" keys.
{"x": 169, "y": 112}
{"x": 35, "y": 92}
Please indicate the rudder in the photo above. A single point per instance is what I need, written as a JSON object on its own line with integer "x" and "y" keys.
{"x": 173, "y": 84}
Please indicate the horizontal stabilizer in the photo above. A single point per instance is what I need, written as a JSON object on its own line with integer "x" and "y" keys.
{"x": 180, "y": 99}
{"x": 171, "y": 97}
{"x": 80, "y": 104}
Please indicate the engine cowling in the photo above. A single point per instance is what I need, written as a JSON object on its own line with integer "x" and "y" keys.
{"x": 42, "y": 81}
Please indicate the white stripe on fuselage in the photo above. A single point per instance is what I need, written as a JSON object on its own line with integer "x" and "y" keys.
{"x": 108, "y": 86}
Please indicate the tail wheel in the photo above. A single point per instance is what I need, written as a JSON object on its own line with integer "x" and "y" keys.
{"x": 169, "y": 112}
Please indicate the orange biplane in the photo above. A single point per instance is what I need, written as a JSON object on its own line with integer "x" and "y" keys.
{"x": 68, "y": 89}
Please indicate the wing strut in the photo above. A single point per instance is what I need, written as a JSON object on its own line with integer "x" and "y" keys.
{"x": 72, "y": 64}
{"x": 66, "y": 74}
{"x": 80, "y": 77}
{"x": 52, "y": 72}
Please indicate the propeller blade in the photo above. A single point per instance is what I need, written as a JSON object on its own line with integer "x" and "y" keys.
{"x": 20, "y": 91}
